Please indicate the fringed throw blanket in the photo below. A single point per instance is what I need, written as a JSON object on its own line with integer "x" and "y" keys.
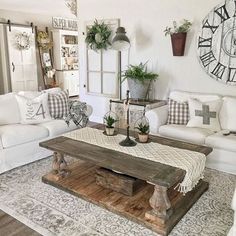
{"x": 77, "y": 113}
{"x": 192, "y": 162}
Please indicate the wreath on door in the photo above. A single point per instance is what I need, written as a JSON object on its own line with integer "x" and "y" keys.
{"x": 23, "y": 41}
{"x": 98, "y": 36}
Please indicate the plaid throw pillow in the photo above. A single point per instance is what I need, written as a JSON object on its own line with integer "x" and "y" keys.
{"x": 178, "y": 113}
{"x": 58, "y": 104}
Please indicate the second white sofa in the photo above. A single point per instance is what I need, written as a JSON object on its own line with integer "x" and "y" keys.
{"x": 223, "y": 157}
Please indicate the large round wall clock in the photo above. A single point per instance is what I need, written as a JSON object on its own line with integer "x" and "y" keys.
{"x": 217, "y": 43}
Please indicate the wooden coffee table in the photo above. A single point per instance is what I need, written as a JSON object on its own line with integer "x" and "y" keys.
{"x": 157, "y": 206}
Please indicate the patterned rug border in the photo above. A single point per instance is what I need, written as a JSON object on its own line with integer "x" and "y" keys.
{"x": 29, "y": 223}
{"x": 83, "y": 219}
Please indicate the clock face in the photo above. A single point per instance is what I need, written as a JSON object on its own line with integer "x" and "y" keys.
{"x": 216, "y": 43}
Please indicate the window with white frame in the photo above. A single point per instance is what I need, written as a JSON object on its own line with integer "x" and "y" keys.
{"x": 102, "y": 67}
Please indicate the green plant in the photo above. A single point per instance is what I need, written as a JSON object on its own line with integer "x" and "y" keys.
{"x": 109, "y": 121}
{"x": 182, "y": 28}
{"x": 143, "y": 128}
{"x": 98, "y": 36}
{"x": 138, "y": 72}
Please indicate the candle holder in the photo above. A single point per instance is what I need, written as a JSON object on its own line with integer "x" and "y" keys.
{"x": 127, "y": 142}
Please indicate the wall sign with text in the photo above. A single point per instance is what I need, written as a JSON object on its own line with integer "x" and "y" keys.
{"x": 217, "y": 43}
{"x": 64, "y": 23}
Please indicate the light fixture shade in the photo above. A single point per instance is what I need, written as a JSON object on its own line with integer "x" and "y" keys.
{"x": 120, "y": 42}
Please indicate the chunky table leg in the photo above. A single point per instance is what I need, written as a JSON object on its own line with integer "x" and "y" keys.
{"x": 59, "y": 165}
{"x": 160, "y": 204}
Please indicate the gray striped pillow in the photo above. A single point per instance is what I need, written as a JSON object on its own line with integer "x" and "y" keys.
{"x": 58, "y": 104}
{"x": 178, "y": 113}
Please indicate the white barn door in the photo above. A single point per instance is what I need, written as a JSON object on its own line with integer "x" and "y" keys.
{"x": 22, "y": 62}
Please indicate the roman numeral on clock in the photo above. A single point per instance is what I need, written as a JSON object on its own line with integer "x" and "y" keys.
{"x": 235, "y": 8}
{"x": 219, "y": 70}
{"x": 213, "y": 28}
{"x": 222, "y": 13}
{"x": 203, "y": 43}
{"x": 232, "y": 75}
{"x": 207, "y": 58}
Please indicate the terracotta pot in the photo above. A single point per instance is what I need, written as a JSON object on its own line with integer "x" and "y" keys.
{"x": 178, "y": 43}
{"x": 110, "y": 131}
{"x": 143, "y": 138}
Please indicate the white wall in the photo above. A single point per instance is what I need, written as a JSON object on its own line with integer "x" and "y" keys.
{"x": 144, "y": 22}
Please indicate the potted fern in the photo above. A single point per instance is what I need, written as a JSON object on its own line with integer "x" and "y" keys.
{"x": 109, "y": 122}
{"x": 178, "y": 36}
{"x": 143, "y": 132}
{"x": 139, "y": 80}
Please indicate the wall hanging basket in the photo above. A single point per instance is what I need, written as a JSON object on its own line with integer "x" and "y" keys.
{"x": 178, "y": 43}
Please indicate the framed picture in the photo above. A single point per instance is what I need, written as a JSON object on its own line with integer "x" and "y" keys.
{"x": 47, "y": 59}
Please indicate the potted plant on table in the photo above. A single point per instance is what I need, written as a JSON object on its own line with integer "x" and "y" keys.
{"x": 178, "y": 36}
{"x": 109, "y": 125}
{"x": 139, "y": 80}
{"x": 143, "y": 132}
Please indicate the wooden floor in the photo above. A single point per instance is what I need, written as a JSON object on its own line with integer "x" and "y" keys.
{"x": 11, "y": 227}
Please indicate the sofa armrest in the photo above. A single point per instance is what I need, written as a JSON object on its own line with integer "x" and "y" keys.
{"x": 157, "y": 117}
{"x": 89, "y": 110}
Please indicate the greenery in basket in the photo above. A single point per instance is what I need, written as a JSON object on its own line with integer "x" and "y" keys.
{"x": 139, "y": 72}
{"x": 110, "y": 121}
{"x": 98, "y": 36}
{"x": 184, "y": 27}
{"x": 143, "y": 128}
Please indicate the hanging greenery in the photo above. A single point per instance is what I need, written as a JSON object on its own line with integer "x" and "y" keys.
{"x": 23, "y": 41}
{"x": 98, "y": 36}
{"x": 44, "y": 40}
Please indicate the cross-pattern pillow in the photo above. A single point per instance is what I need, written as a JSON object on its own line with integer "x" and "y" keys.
{"x": 178, "y": 113}
{"x": 204, "y": 115}
{"x": 58, "y": 104}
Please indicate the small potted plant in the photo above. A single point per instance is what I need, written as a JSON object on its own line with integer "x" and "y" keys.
{"x": 109, "y": 125}
{"x": 178, "y": 36}
{"x": 139, "y": 80}
{"x": 143, "y": 132}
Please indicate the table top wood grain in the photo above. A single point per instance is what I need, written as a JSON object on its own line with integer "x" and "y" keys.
{"x": 144, "y": 169}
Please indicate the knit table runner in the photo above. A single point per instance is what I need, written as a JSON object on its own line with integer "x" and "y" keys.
{"x": 192, "y": 162}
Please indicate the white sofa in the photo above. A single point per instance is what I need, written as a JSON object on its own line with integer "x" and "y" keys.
{"x": 232, "y": 231}
{"x": 223, "y": 157}
{"x": 19, "y": 143}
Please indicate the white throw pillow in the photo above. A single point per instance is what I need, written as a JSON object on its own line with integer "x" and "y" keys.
{"x": 35, "y": 110}
{"x": 228, "y": 114}
{"x": 204, "y": 114}
{"x": 9, "y": 110}
{"x": 29, "y": 94}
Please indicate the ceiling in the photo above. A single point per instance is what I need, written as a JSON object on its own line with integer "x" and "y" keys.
{"x": 48, "y": 7}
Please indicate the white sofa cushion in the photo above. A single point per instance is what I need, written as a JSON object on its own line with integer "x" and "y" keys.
{"x": 157, "y": 117}
{"x": 34, "y": 110}
{"x": 9, "y": 110}
{"x": 57, "y": 127}
{"x": 181, "y": 96}
{"x": 228, "y": 114}
{"x": 221, "y": 141}
{"x": 181, "y": 132}
{"x": 204, "y": 114}
{"x": 15, "y": 134}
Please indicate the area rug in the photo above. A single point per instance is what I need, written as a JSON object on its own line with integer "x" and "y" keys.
{"x": 51, "y": 211}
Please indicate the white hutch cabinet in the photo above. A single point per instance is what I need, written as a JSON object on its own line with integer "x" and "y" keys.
{"x": 66, "y": 60}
